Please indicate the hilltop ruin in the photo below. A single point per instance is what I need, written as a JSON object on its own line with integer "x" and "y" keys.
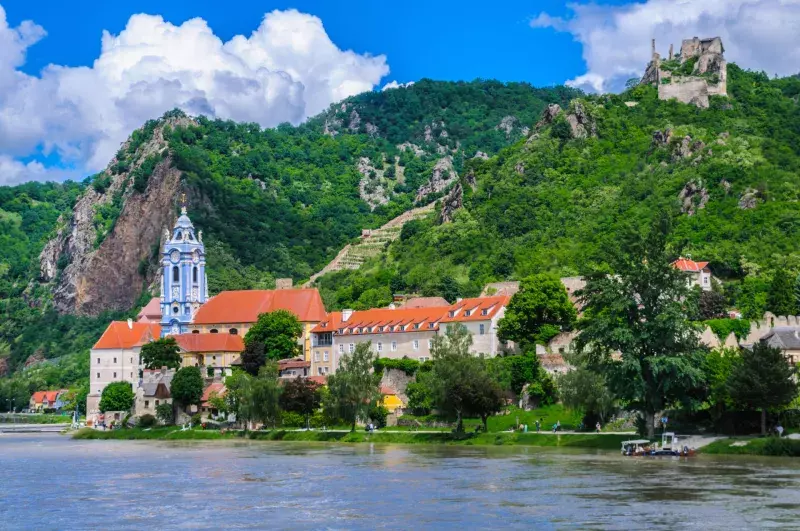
{"x": 697, "y": 72}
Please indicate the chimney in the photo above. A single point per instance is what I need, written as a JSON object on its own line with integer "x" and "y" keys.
{"x": 283, "y": 283}
{"x": 346, "y": 315}
{"x": 130, "y": 324}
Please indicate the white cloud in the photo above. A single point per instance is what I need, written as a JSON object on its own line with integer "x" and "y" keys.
{"x": 286, "y": 70}
{"x": 757, "y": 34}
{"x": 394, "y": 84}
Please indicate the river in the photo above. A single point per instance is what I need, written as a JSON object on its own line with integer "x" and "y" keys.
{"x": 52, "y": 482}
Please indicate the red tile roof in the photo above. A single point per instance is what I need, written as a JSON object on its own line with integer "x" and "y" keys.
{"x": 477, "y": 309}
{"x": 151, "y": 313}
{"x": 685, "y": 264}
{"x": 38, "y": 397}
{"x": 376, "y": 321}
{"x": 210, "y": 342}
{"x": 386, "y": 390}
{"x": 319, "y": 380}
{"x": 246, "y": 306}
{"x": 216, "y": 387}
{"x": 120, "y": 334}
{"x": 425, "y": 302}
{"x": 293, "y": 363}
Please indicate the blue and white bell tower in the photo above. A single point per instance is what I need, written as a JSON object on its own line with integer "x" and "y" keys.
{"x": 184, "y": 286}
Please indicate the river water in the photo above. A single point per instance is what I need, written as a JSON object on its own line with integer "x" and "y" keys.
{"x": 53, "y": 482}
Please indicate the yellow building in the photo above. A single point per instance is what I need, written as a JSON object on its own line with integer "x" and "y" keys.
{"x": 218, "y": 351}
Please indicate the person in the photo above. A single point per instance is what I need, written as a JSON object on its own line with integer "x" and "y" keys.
{"x": 555, "y": 427}
{"x": 538, "y": 425}
{"x": 779, "y": 429}
{"x": 597, "y": 426}
{"x": 558, "y": 424}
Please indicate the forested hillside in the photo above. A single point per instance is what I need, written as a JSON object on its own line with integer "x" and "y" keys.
{"x": 272, "y": 203}
{"x": 729, "y": 174}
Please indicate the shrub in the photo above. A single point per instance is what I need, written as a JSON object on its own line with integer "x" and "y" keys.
{"x": 377, "y": 415}
{"x": 210, "y": 372}
{"x": 405, "y": 364}
{"x": 147, "y": 421}
{"x": 290, "y": 419}
{"x": 723, "y": 327}
{"x": 196, "y": 419}
{"x": 781, "y": 447}
{"x": 164, "y": 413}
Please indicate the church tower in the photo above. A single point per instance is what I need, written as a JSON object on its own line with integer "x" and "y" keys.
{"x": 184, "y": 286}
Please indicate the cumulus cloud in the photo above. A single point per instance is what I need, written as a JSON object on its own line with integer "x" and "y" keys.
{"x": 394, "y": 84}
{"x": 286, "y": 70}
{"x": 757, "y": 34}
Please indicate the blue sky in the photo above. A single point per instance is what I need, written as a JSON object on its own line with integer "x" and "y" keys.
{"x": 436, "y": 39}
{"x": 76, "y": 78}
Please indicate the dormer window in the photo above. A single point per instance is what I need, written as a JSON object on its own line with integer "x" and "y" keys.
{"x": 485, "y": 311}
{"x": 416, "y": 326}
{"x": 431, "y": 325}
{"x": 452, "y": 313}
{"x": 341, "y": 330}
{"x": 467, "y": 313}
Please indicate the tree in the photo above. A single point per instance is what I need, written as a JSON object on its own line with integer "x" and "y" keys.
{"x": 711, "y": 305}
{"x": 354, "y": 388}
{"x": 461, "y": 383}
{"x": 253, "y": 357}
{"x": 762, "y": 380}
{"x": 585, "y": 390}
{"x": 279, "y": 331}
{"x": 797, "y": 295}
{"x": 639, "y": 311}
{"x": 161, "y": 353}
{"x": 164, "y": 413}
{"x": 780, "y": 299}
{"x": 537, "y": 312}
{"x": 117, "y": 396}
{"x": 302, "y": 396}
{"x": 264, "y": 397}
{"x": 237, "y": 396}
{"x": 186, "y": 387}
{"x": 718, "y": 366}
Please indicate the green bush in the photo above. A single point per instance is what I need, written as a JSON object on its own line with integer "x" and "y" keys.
{"x": 147, "y": 421}
{"x": 196, "y": 419}
{"x": 164, "y": 413}
{"x": 723, "y": 327}
{"x": 378, "y": 414}
{"x": 290, "y": 419}
{"x": 405, "y": 364}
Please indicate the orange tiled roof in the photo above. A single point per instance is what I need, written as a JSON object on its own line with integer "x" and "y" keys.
{"x": 319, "y": 380}
{"x": 685, "y": 264}
{"x": 151, "y": 313}
{"x": 38, "y": 397}
{"x": 246, "y": 306}
{"x": 425, "y": 302}
{"x": 210, "y": 342}
{"x": 293, "y": 363}
{"x": 216, "y": 387}
{"x": 383, "y": 320}
{"x": 120, "y": 334}
{"x": 386, "y": 390}
{"x": 477, "y": 309}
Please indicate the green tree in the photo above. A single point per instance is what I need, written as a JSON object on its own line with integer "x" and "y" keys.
{"x": 279, "y": 331}
{"x": 711, "y": 305}
{"x": 354, "y": 388}
{"x": 186, "y": 387}
{"x": 253, "y": 357}
{"x": 117, "y": 396}
{"x": 797, "y": 295}
{"x": 780, "y": 299}
{"x": 302, "y": 396}
{"x": 585, "y": 390}
{"x": 462, "y": 384}
{"x": 762, "y": 380}
{"x": 420, "y": 393}
{"x": 537, "y": 312}
{"x": 161, "y": 353}
{"x": 165, "y": 414}
{"x": 237, "y": 396}
{"x": 264, "y": 396}
{"x": 718, "y": 366}
{"x": 639, "y": 312}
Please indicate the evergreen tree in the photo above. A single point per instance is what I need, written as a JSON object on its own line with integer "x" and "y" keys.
{"x": 781, "y": 297}
{"x": 762, "y": 380}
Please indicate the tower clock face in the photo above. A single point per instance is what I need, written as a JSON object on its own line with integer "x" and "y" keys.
{"x": 196, "y": 257}
{"x": 175, "y": 256}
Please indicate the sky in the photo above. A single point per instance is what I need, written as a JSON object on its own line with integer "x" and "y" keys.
{"x": 77, "y": 77}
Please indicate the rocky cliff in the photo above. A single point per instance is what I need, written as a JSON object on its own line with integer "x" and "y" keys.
{"x": 102, "y": 257}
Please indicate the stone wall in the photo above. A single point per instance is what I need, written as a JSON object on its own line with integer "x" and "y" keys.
{"x": 691, "y": 90}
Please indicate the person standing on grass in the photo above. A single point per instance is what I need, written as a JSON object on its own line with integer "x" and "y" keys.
{"x": 538, "y": 425}
{"x": 597, "y": 426}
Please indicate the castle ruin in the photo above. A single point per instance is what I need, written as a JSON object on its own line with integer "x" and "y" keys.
{"x": 697, "y": 72}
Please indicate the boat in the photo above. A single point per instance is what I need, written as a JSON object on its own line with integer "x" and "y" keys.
{"x": 669, "y": 446}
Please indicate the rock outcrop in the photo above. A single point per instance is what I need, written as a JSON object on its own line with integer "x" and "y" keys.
{"x": 452, "y": 202}
{"x": 581, "y": 123}
{"x": 549, "y": 115}
{"x": 749, "y": 199}
{"x": 96, "y": 278}
{"x": 371, "y": 188}
{"x": 661, "y": 139}
{"x": 442, "y": 176}
{"x": 693, "y": 197}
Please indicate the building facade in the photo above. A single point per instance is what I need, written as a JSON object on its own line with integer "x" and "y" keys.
{"x": 215, "y": 354}
{"x": 184, "y": 287}
{"x": 697, "y": 273}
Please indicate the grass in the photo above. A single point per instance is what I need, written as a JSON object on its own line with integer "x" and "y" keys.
{"x": 551, "y": 414}
{"x": 608, "y": 442}
{"x": 35, "y": 419}
{"x": 756, "y": 446}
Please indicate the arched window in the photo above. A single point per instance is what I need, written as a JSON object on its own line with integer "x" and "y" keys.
{"x": 213, "y": 331}
{"x": 194, "y": 274}
{"x": 176, "y": 274}
{"x": 178, "y": 235}
{"x": 233, "y": 331}
{"x": 195, "y": 331}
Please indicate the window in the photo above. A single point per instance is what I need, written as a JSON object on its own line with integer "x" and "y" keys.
{"x": 325, "y": 356}
{"x": 485, "y": 311}
{"x": 482, "y": 329}
{"x": 415, "y": 344}
{"x": 319, "y": 371}
{"x": 147, "y": 404}
{"x": 351, "y": 348}
{"x": 195, "y": 331}
{"x": 213, "y": 331}
{"x": 194, "y": 274}
{"x": 341, "y": 349}
{"x": 98, "y": 375}
{"x": 131, "y": 376}
{"x": 316, "y": 356}
{"x": 394, "y": 346}
{"x": 452, "y": 313}
{"x": 423, "y": 359}
{"x": 98, "y": 361}
{"x": 186, "y": 311}
{"x": 705, "y": 280}
{"x": 380, "y": 346}
{"x": 416, "y": 326}
{"x": 467, "y": 313}
{"x": 131, "y": 360}
{"x": 233, "y": 331}
{"x": 430, "y": 344}
{"x": 431, "y": 325}
{"x": 176, "y": 274}
{"x": 115, "y": 375}
{"x": 156, "y": 402}
{"x": 115, "y": 360}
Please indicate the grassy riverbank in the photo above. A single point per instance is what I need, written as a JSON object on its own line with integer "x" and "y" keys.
{"x": 607, "y": 442}
{"x": 755, "y": 446}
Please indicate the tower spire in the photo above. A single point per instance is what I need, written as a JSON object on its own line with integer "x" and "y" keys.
{"x": 183, "y": 204}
